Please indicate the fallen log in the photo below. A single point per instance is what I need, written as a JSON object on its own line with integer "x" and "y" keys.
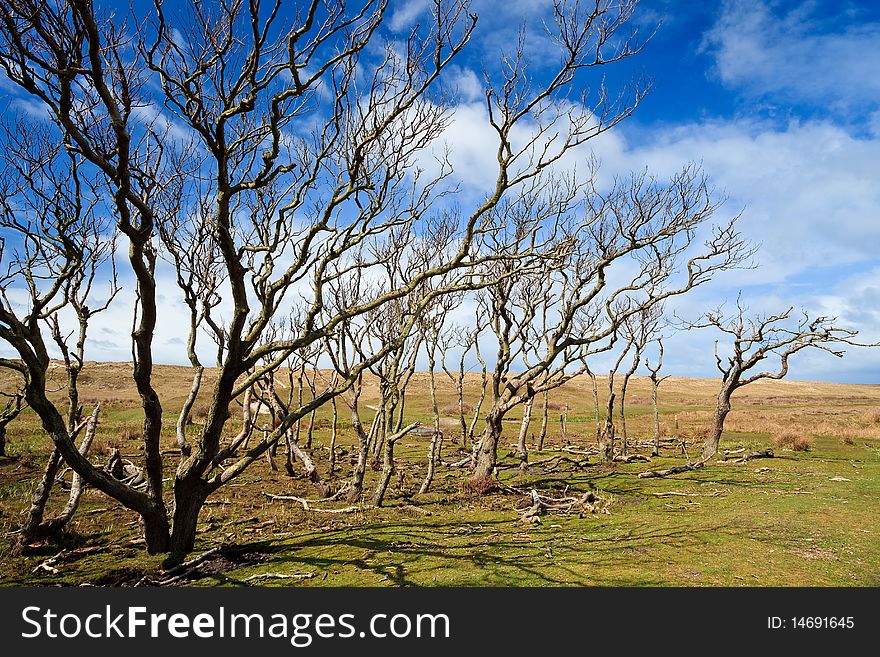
{"x": 760, "y": 454}
{"x": 620, "y": 458}
{"x": 678, "y": 469}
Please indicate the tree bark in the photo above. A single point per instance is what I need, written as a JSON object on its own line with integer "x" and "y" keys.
{"x": 606, "y": 442}
{"x": 183, "y": 418}
{"x": 38, "y": 529}
{"x": 722, "y": 408}
{"x": 190, "y": 494}
{"x": 436, "y": 443}
{"x": 485, "y": 457}
{"x": 334, "y": 427}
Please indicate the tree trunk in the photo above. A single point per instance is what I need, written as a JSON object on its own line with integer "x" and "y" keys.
{"x": 459, "y": 390}
{"x": 523, "y": 432}
{"x": 624, "y": 438}
{"x": 596, "y": 407}
{"x": 387, "y": 472}
{"x": 51, "y": 527}
{"x": 722, "y": 408}
{"x": 485, "y": 457}
{"x": 31, "y": 529}
{"x": 606, "y": 442}
{"x": 437, "y": 436}
{"x": 3, "y": 440}
{"x": 364, "y": 439}
{"x": 334, "y": 427}
{"x": 190, "y": 494}
{"x": 183, "y": 418}
{"x": 655, "y": 451}
{"x": 545, "y": 416}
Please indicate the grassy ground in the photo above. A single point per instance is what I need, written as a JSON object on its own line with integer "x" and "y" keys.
{"x": 801, "y": 518}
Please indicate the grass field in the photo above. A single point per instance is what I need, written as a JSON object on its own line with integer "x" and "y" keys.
{"x": 806, "y": 518}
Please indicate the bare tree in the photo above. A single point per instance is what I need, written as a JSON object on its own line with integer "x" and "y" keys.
{"x": 656, "y": 380}
{"x": 649, "y": 226}
{"x": 257, "y": 130}
{"x": 754, "y": 340}
{"x": 639, "y": 329}
{"x": 51, "y": 217}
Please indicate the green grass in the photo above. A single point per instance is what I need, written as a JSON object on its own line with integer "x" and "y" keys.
{"x": 768, "y": 522}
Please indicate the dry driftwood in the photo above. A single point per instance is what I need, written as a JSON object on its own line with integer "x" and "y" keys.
{"x": 587, "y": 502}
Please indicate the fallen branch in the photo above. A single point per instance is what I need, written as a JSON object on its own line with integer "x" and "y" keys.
{"x": 458, "y": 464}
{"x": 588, "y": 502}
{"x": 620, "y": 458}
{"x": 761, "y": 454}
{"x": 671, "y": 493}
{"x": 306, "y": 504}
{"x": 678, "y": 469}
{"x": 260, "y": 576}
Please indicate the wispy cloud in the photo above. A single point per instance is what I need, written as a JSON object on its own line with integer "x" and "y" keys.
{"x": 802, "y": 54}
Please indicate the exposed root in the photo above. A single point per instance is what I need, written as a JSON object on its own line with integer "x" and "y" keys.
{"x": 540, "y": 504}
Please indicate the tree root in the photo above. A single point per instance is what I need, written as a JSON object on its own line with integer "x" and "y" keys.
{"x": 540, "y": 504}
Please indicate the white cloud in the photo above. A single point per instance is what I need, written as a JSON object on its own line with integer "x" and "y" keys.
{"x": 796, "y": 55}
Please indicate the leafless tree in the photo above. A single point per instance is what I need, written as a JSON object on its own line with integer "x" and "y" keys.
{"x": 656, "y": 380}
{"x": 59, "y": 240}
{"x": 639, "y": 330}
{"x": 253, "y": 128}
{"x": 753, "y": 340}
{"x": 647, "y": 225}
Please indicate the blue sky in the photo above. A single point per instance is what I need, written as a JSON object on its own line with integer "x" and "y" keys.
{"x": 780, "y": 104}
{"x": 778, "y": 101}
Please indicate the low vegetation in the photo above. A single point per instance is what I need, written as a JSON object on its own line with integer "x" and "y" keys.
{"x": 802, "y": 518}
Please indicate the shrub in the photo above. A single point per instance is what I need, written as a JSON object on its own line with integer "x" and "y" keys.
{"x": 478, "y": 486}
{"x": 452, "y": 409}
{"x": 792, "y": 441}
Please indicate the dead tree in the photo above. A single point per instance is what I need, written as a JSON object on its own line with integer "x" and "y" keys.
{"x": 609, "y": 428}
{"x": 640, "y": 222}
{"x": 753, "y": 340}
{"x": 656, "y": 380}
{"x": 465, "y": 340}
{"x": 265, "y": 117}
{"x": 431, "y": 325}
{"x": 49, "y": 213}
